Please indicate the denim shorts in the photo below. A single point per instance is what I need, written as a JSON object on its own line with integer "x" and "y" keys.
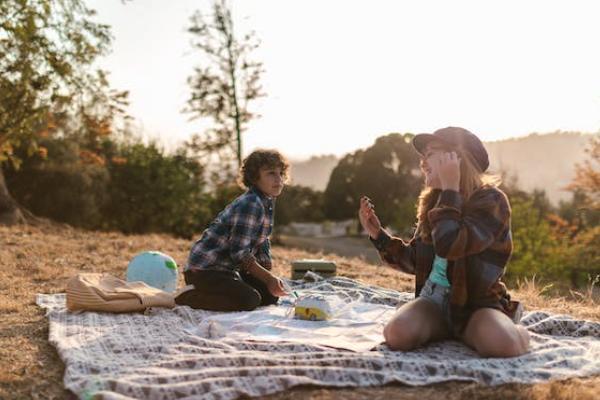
{"x": 440, "y": 296}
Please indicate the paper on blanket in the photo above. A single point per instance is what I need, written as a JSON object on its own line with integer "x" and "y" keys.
{"x": 358, "y": 326}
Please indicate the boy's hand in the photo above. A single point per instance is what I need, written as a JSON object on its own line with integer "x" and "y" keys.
{"x": 367, "y": 217}
{"x": 275, "y": 286}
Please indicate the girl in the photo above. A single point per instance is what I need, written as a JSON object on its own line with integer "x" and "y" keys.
{"x": 458, "y": 253}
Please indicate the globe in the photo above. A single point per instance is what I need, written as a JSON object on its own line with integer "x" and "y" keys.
{"x": 154, "y": 268}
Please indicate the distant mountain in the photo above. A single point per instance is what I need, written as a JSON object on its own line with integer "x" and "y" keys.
{"x": 537, "y": 161}
{"x": 540, "y": 161}
{"x": 314, "y": 172}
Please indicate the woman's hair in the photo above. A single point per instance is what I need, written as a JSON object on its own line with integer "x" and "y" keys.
{"x": 251, "y": 165}
{"x": 471, "y": 179}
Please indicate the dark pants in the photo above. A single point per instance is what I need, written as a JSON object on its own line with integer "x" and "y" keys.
{"x": 224, "y": 291}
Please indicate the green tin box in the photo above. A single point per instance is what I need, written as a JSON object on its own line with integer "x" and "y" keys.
{"x": 324, "y": 268}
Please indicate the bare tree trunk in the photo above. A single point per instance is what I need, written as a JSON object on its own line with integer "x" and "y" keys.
{"x": 234, "y": 96}
{"x": 10, "y": 213}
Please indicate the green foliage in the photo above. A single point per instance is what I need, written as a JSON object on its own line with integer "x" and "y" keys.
{"x": 222, "y": 194}
{"x": 587, "y": 175}
{"x": 550, "y": 247}
{"x": 586, "y": 250}
{"x": 579, "y": 212}
{"x": 46, "y": 49}
{"x": 299, "y": 204}
{"x": 559, "y": 244}
{"x": 63, "y": 187}
{"x": 532, "y": 240}
{"x": 153, "y": 192}
{"x": 48, "y": 86}
{"x": 387, "y": 172}
{"x": 132, "y": 187}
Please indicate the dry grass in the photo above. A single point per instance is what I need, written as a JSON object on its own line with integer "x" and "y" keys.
{"x": 40, "y": 259}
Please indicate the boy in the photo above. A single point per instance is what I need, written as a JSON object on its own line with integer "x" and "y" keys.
{"x": 229, "y": 266}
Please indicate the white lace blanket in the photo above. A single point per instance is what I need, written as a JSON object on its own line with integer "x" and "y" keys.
{"x": 174, "y": 354}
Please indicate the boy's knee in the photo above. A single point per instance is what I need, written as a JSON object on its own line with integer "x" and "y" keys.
{"x": 249, "y": 301}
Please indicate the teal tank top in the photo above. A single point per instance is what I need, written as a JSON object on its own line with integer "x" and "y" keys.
{"x": 438, "y": 272}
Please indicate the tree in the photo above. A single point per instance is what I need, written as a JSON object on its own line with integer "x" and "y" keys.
{"x": 535, "y": 247}
{"x": 225, "y": 85}
{"x": 587, "y": 175}
{"x": 46, "y": 49}
{"x": 577, "y": 211}
{"x": 60, "y": 184}
{"x": 150, "y": 191}
{"x": 387, "y": 172}
{"x": 299, "y": 204}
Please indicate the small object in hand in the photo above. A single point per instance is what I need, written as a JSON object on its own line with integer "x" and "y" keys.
{"x": 369, "y": 202}
{"x": 288, "y": 289}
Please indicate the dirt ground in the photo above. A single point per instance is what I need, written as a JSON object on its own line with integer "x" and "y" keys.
{"x": 40, "y": 259}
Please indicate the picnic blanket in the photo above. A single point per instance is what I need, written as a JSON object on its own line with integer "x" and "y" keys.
{"x": 185, "y": 353}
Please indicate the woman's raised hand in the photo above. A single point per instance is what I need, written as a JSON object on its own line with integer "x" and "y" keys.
{"x": 368, "y": 218}
{"x": 448, "y": 170}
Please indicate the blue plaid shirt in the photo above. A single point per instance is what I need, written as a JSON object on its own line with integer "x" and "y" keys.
{"x": 237, "y": 236}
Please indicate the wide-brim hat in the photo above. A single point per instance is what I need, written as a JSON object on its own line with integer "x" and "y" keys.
{"x": 455, "y": 137}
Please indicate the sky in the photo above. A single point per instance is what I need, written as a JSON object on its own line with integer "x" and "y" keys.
{"x": 338, "y": 74}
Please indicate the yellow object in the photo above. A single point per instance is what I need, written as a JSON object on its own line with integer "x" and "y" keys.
{"x": 310, "y": 313}
{"x": 313, "y": 308}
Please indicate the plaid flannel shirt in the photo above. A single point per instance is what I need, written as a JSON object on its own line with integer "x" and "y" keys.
{"x": 475, "y": 237}
{"x": 237, "y": 236}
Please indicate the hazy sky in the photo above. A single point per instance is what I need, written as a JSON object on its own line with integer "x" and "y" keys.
{"x": 340, "y": 73}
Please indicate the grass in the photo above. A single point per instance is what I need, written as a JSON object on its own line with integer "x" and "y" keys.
{"x": 40, "y": 259}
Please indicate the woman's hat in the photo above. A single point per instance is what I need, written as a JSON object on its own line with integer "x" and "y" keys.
{"x": 455, "y": 137}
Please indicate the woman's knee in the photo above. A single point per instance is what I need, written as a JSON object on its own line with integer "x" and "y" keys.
{"x": 415, "y": 324}
{"x": 524, "y": 337}
{"x": 400, "y": 336}
{"x": 492, "y": 336}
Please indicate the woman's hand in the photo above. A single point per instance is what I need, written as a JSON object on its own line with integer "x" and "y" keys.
{"x": 431, "y": 178}
{"x": 447, "y": 167}
{"x": 367, "y": 217}
{"x": 275, "y": 286}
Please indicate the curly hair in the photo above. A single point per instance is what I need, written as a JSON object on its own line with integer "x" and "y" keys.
{"x": 251, "y": 165}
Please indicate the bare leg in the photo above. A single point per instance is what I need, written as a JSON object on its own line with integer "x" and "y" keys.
{"x": 415, "y": 323}
{"x": 492, "y": 334}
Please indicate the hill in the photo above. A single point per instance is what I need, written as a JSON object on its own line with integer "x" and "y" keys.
{"x": 540, "y": 161}
{"x": 314, "y": 172}
{"x": 536, "y": 161}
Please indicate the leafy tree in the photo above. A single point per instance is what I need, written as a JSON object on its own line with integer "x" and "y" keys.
{"x": 578, "y": 212}
{"x": 125, "y": 185}
{"x": 224, "y": 86}
{"x": 586, "y": 251}
{"x": 153, "y": 192}
{"x": 222, "y": 193}
{"x": 47, "y": 48}
{"x": 532, "y": 240}
{"x": 587, "y": 175}
{"x": 62, "y": 185}
{"x": 299, "y": 204}
{"x": 387, "y": 172}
